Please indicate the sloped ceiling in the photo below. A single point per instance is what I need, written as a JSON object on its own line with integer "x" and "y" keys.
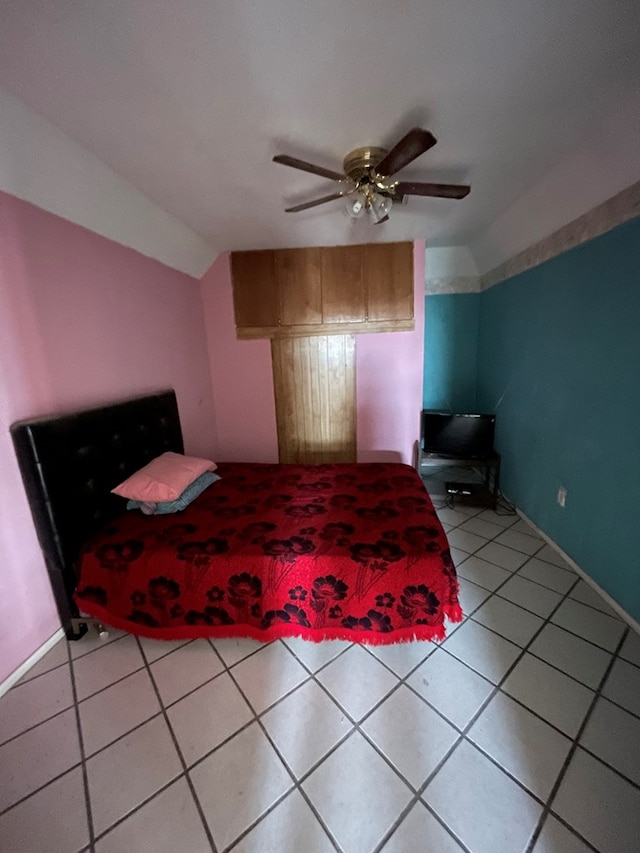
{"x": 188, "y": 100}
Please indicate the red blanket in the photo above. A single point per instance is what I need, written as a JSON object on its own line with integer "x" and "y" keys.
{"x": 326, "y": 551}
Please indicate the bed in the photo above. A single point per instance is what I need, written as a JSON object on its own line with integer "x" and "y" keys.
{"x": 350, "y": 551}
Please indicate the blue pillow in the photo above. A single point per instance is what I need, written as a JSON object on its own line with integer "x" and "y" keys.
{"x": 188, "y": 496}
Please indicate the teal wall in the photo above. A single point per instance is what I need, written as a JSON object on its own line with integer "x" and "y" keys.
{"x": 559, "y": 363}
{"x": 451, "y": 352}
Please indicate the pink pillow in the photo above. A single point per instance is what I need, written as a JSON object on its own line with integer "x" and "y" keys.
{"x": 164, "y": 479}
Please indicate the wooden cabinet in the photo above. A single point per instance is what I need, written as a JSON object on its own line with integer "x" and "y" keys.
{"x": 300, "y": 286}
{"x": 255, "y": 289}
{"x": 323, "y": 291}
{"x": 387, "y": 270}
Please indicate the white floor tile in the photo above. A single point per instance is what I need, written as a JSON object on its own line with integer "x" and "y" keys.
{"x": 587, "y": 595}
{"x": 117, "y": 710}
{"x": 458, "y": 556}
{"x": 551, "y": 556}
{"x": 522, "y": 527}
{"x": 519, "y": 542}
{"x": 420, "y": 832}
{"x": 451, "y": 516}
{"x": 268, "y": 675}
{"x": 622, "y": 750}
{"x": 305, "y": 726}
{"x": 185, "y": 669}
{"x": 502, "y": 520}
{"x": 234, "y": 649}
{"x": 520, "y": 742}
{"x": 92, "y": 641}
{"x": 357, "y": 795}
{"x": 56, "y": 656}
{"x": 34, "y": 701}
{"x": 209, "y": 715}
{"x": 530, "y": 595}
{"x": 451, "y": 687}
{"x": 556, "y": 838}
{"x": 154, "y": 649}
{"x": 315, "y": 655}
{"x": 481, "y": 528}
{"x": 464, "y": 541}
{"x": 53, "y": 820}
{"x": 36, "y": 757}
{"x": 630, "y": 650}
{"x": 411, "y": 735}
{"x": 600, "y": 805}
{"x": 238, "y": 783}
{"x": 485, "y": 574}
{"x": 483, "y": 650}
{"x": 502, "y": 556}
{"x": 550, "y": 693}
{"x": 129, "y": 771}
{"x": 168, "y": 823}
{"x": 357, "y": 681}
{"x": 508, "y": 619}
{"x": 290, "y": 827}
{"x": 590, "y": 624}
{"x": 489, "y": 812}
{"x": 470, "y": 596}
{"x": 403, "y": 657}
{"x": 106, "y": 665}
{"x": 576, "y": 657}
{"x": 623, "y": 686}
{"x": 560, "y": 580}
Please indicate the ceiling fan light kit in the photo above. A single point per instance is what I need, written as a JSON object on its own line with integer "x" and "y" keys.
{"x": 367, "y": 171}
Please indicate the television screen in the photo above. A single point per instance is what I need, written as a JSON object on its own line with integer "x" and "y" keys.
{"x": 463, "y": 436}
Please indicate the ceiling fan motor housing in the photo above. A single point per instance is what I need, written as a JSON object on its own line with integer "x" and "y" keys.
{"x": 359, "y": 163}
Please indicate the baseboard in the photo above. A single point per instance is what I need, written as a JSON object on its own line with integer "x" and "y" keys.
{"x": 613, "y": 604}
{"x": 24, "y": 668}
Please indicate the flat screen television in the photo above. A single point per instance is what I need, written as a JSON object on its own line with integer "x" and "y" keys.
{"x": 458, "y": 436}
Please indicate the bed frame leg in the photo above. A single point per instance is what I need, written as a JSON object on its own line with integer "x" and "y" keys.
{"x": 79, "y": 627}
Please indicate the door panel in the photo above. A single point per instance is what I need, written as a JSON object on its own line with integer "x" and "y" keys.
{"x": 315, "y": 392}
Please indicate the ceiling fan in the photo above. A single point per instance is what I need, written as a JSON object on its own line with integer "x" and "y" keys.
{"x": 367, "y": 174}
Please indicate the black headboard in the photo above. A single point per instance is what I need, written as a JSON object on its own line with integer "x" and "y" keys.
{"x": 69, "y": 465}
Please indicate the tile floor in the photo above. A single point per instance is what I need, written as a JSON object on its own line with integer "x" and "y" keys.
{"x": 521, "y": 732}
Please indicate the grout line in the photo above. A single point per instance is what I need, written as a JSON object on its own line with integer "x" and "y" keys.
{"x": 83, "y": 757}
{"x": 574, "y": 747}
{"x": 180, "y": 755}
{"x": 40, "y": 788}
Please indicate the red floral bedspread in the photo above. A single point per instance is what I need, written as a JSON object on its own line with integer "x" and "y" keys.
{"x": 325, "y": 551}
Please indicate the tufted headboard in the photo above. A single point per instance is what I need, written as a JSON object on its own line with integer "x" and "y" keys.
{"x": 70, "y": 463}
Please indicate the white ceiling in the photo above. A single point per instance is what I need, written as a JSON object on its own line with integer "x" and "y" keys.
{"x": 188, "y": 100}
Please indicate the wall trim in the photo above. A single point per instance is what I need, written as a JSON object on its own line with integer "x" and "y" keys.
{"x": 22, "y": 670}
{"x": 613, "y": 604}
{"x": 618, "y": 209}
{"x": 452, "y": 284}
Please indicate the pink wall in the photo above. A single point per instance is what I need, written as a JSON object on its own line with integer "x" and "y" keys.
{"x": 83, "y": 320}
{"x": 389, "y": 380}
{"x": 389, "y": 383}
{"x": 241, "y": 376}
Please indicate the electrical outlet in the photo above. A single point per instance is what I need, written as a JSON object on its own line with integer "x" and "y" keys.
{"x": 561, "y": 497}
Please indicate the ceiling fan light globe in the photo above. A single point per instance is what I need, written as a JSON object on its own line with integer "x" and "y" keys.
{"x": 356, "y": 207}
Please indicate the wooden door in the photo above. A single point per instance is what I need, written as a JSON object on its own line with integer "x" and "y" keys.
{"x": 314, "y": 381}
{"x": 343, "y": 291}
{"x": 300, "y": 286}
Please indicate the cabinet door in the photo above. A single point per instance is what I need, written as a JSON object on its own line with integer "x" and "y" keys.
{"x": 343, "y": 292}
{"x": 388, "y": 276}
{"x": 255, "y": 289}
{"x": 299, "y": 279}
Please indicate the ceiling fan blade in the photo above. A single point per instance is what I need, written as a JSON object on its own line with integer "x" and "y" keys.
{"x": 435, "y": 190}
{"x": 316, "y": 202}
{"x": 412, "y": 145}
{"x": 285, "y": 160}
